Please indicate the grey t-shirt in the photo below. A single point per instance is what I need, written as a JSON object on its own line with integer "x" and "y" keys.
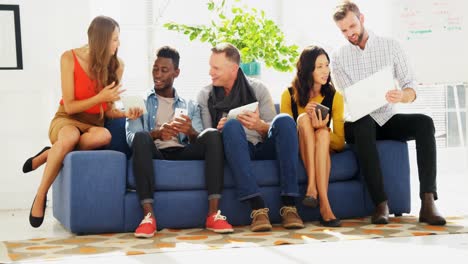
{"x": 165, "y": 114}
{"x": 265, "y": 105}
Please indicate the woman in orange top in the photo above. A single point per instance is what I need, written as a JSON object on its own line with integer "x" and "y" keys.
{"x": 312, "y": 86}
{"x": 90, "y": 85}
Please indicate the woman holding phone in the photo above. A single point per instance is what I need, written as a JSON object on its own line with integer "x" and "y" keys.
{"x": 90, "y": 80}
{"x": 311, "y": 93}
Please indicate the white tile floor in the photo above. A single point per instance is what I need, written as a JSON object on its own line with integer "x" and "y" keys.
{"x": 452, "y": 182}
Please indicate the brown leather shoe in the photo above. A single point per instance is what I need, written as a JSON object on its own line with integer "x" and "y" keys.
{"x": 380, "y": 216}
{"x": 291, "y": 218}
{"x": 260, "y": 220}
{"x": 428, "y": 213}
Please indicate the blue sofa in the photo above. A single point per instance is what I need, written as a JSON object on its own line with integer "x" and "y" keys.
{"x": 95, "y": 191}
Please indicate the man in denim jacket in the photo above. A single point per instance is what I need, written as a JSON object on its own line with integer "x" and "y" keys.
{"x": 172, "y": 129}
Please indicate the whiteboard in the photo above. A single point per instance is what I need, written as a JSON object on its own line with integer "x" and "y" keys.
{"x": 434, "y": 35}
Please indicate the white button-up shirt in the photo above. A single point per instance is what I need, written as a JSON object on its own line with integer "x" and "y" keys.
{"x": 350, "y": 64}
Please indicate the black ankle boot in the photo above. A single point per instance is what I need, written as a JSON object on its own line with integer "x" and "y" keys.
{"x": 37, "y": 221}
{"x": 428, "y": 213}
{"x": 380, "y": 216}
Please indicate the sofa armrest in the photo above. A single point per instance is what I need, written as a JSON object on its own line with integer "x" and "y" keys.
{"x": 394, "y": 161}
{"x": 88, "y": 194}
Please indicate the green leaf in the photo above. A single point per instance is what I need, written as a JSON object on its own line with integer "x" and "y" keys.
{"x": 193, "y": 35}
{"x": 210, "y": 5}
{"x": 204, "y": 37}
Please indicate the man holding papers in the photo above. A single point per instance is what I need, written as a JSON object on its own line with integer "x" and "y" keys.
{"x": 364, "y": 59}
{"x": 256, "y": 135}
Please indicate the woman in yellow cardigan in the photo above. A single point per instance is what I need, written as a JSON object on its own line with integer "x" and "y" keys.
{"x": 312, "y": 86}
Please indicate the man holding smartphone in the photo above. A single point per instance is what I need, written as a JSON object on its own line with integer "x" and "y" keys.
{"x": 172, "y": 129}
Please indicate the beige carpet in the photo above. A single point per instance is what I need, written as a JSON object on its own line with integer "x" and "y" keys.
{"x": 200, "y": 239}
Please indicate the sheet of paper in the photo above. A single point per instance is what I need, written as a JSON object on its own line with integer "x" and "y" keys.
{"x": 367, "y": 95}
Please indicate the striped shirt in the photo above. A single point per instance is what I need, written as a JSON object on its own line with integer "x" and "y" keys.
{"x": 350, "y": 64}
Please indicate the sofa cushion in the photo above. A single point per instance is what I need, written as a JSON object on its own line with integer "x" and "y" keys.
{"x": 344, "y": 166}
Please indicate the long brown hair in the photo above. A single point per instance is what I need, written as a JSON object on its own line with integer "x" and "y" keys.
{"x": 102, "y": 65}
{"x": 303, "y": 81}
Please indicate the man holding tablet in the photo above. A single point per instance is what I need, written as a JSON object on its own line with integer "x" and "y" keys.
{"x": 253, "y": 135}
{"x": 172, "y": 129}
{"x": 366, "y": 55}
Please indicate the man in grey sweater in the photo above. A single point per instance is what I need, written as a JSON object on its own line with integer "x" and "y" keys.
{"x": 258, "y": 135}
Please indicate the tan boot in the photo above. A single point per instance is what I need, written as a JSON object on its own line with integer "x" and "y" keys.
{"x": 291, "y": 218}
{"x": 260, "y": 220}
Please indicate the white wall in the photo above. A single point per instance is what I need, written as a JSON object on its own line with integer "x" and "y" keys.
{"x": 29, "y": 97}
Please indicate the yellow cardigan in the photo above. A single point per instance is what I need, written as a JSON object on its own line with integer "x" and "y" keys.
{"x": 337, "y": 139}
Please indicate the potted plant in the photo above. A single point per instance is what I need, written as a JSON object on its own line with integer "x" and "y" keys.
{"x": 257, "y": 37}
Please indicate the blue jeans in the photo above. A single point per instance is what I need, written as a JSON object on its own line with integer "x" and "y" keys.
{"x": 281, "y": 145}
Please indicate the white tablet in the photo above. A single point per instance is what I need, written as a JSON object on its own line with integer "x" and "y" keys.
{"x": 130, "y": 101}
{"x": 239, "y": 110}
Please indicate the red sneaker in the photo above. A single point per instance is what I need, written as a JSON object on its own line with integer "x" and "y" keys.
{"x": 218, "y": 223}
{"x": 147, "y": 227}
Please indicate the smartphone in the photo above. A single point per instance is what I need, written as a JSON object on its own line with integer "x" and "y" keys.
{"x": 323, "y": 109}
{"x": 180, "y": 111}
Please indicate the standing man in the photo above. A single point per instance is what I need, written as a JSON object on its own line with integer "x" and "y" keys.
{"x": 367, "y": 54}
{"x": 255, "y": 135}
{"x": 159, "y": 135}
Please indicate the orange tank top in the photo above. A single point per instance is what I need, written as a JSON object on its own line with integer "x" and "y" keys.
{"x": 84, "y": 87}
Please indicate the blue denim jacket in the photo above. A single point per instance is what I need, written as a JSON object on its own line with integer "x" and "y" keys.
{"x": 147, "y": 122}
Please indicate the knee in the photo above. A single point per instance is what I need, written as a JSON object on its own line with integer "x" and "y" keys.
{"x": 140, "y": 138}
{"x": 211, "y": 135}
{"x": 104, "y": 137}
{"x": 283, "y": 122}
{"x": 426, "y": 124}
{"x": 232, "y": 126}
{"x": 363, "y": 126}
{"x": 303, "y": 122}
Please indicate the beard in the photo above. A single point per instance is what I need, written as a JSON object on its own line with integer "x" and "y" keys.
{"x": 359, "y": 39}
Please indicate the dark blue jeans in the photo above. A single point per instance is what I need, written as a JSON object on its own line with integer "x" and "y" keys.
{"x": 281, "y": 144}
